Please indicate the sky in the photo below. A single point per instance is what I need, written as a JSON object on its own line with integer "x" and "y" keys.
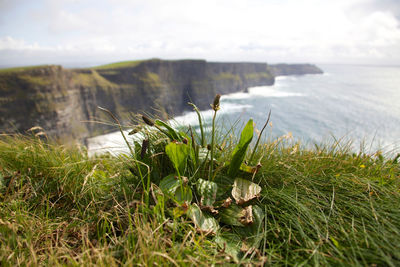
{"x": 90, "y": 32}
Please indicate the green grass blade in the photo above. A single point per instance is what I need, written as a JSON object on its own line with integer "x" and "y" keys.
{"x": 203, "y": 141}
{"x": 174, "y": 135}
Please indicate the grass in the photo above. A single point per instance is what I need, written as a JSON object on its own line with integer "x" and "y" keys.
{"x": 91, "y": 79}
{"x": 122, "y": 64}
{"x": 21, "y": 69}
{"x": 324, "y": 206}
{"x": 226, "y": 76}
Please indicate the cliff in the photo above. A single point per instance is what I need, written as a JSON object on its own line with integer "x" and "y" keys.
{"x": 63, "y": 101}
{"x": 294, "y": 69}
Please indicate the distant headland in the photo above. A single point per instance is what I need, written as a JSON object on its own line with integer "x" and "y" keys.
{"x": 63, "y": 101}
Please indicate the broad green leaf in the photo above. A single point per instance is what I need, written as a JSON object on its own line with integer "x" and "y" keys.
{"x": 169, "y": 184}
{"x": 259, "y": 216}
{"x": 172, "y": 186}
{"x": 184, "y": 194}
{"x": 192, "y": 150}
{"x": 240, "y": 150}
{"x": 224, "y": 186}
{"x": 233, "y": 215}
{"x": 207, "y": 191}
{"x": 178, "y": 153}
{"x": 203, "y": 222}
{"x": 244, "y": 190}
{"x": 253, "y": 232}
{"x": 179, "y": 211}
{"x": 249, "y": 169}
{"x": 172, "y": 133}
{"x": 246, "y": 168}
{"x": 230, "y": 243}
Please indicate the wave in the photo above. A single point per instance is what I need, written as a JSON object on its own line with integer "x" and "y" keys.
{"x": 264, "y": 91}
{"x": 112, "y": 143}
{"x": 190, "y": 118}
{"x": 285, "y": 78}
{"x": 268, "y": 91}
{"x": 238, "y": 95}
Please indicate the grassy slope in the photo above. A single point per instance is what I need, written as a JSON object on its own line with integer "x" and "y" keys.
{"x": 326, "y": 206}
{"x": 21, "y": 69}
{"x": 122, "y": 64}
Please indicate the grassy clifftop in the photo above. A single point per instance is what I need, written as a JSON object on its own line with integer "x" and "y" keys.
{"x": 326, "y": 206}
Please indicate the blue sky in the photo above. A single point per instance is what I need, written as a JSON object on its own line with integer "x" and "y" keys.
{"x": 74, "y": 32}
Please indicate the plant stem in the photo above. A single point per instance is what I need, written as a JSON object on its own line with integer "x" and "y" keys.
{"x": 212, "y": 146}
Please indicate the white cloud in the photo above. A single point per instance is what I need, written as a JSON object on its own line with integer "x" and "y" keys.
{"x": 307, "y": 30}
{"x": 9, "y": 43}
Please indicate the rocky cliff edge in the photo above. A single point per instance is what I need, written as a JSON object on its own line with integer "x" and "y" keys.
{"x": 64, "y": 102}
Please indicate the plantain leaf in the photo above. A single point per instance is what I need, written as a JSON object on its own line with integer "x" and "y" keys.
{"x": 184, "y": 194}
{"x": 169, "y": 184}
{"x": 234, "y": 215}
{"x": 203, "y": 222}
{"x": 240, "y": 150}
{"x": 178, "y": 153}
{"x": 230, "y": 243}
{"x": 252, "y": 233}
{"x": 179, "y": 211}
{"x": 171, "y": 132}
{"x": 246, "y": 216}
{"x": 174, "y": 186}
{"x": 244, "y": 190}
{"x": 259, "y": 216}
{"x": 224, "y": 186}
{"x": 207, "y": 191}
{"x": 249, "y": 169}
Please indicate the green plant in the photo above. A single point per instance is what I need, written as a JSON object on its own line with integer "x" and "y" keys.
{"x": 220, "y": 201}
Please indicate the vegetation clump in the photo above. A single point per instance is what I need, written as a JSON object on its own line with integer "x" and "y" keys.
{"x": 187, "y": 198}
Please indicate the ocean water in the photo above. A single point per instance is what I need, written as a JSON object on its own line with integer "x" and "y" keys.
{"x": 352, "y": 103}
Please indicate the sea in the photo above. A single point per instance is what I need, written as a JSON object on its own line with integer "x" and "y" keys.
{"x": 353, "y": 105}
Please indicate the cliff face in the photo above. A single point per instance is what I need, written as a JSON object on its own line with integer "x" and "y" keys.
{"x": 62, "y": 101}
{"x": 43, "y": 96}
